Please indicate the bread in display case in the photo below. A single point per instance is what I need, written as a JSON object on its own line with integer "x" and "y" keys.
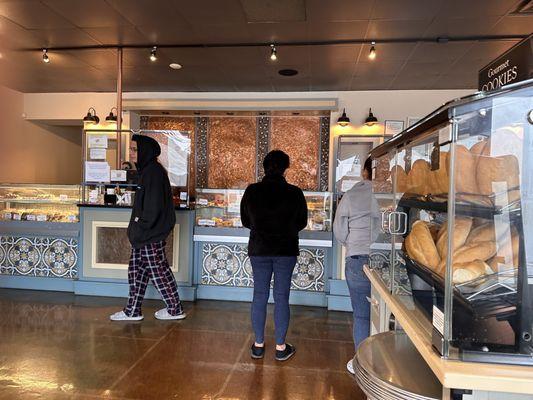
{"x": 40, "y": 203}
{"x": 462, "y": 216}
{"x": 221, "y": 208}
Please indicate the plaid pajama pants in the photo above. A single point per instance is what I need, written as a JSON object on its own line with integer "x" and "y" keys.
{"x": 150, "y": 262}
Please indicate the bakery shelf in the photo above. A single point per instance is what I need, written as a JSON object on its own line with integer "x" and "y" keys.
{"x": 39, "y": 201}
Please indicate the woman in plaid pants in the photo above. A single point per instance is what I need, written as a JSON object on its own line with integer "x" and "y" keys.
{"x": 152, "y": 219}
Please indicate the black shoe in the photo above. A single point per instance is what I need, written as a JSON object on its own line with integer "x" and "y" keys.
{"x": 257, "y": 352}
{"x": 284, "y": 355}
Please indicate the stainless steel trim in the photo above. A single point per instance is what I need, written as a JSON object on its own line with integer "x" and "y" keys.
{"x": 244, "y": 239}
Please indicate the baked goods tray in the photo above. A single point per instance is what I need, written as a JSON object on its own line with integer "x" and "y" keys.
{"x": 461, "y": 208}
{"x": 487, "y": 296}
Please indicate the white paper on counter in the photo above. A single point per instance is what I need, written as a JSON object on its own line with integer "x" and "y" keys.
{"x": 97, "y": 171}
{"x": 97, "y": 153}
{"x": 347, "y": 184}
{"x": 97, "y": 141}
{"x": 119, "y": 175}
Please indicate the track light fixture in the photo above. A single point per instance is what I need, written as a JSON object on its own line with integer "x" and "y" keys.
{"x": 111, "y": 117}
{"x": 273, "y": 52}
{"x": 343, "y": 119}
{"x": 153, "y": 54}
{"x": 371, "y": 119}
{"x": 91, "y": 116}
{"x": 46, "y": 59}
{"x": 372, "y": 54}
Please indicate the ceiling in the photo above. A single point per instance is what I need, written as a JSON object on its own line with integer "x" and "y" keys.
{"x": 94, "y": 23}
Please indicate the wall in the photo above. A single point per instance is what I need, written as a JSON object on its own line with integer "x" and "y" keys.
{"x": 34, "y": 152}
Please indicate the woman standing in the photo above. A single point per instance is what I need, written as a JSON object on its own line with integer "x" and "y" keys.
{"x": 352, "y": 229}
{"x": 275, "y": 212}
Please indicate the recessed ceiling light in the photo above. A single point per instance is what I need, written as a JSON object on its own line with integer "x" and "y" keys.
{"x": 287, "y": 72}
{"x": 175, "y": 66}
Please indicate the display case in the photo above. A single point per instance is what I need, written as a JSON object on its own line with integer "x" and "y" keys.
{"x": 461, "y": 223}
{"x": 40, "y": 203}
{"x": 221, "y": 208}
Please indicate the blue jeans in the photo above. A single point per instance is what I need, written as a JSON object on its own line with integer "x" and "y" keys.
{"x": 359, "y": 287}
{"x": 262, "y": 268}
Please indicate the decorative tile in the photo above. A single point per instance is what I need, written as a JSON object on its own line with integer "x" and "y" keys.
{"x": 380, "y": 261}
{"x": 38, "y": 256}
{"x": 201, "y": 138}
{"x": 263, "y": 139}
{"x": 143, "y": 124}
{"x": 229, "y": 265}
{"x": 324, "y": 154}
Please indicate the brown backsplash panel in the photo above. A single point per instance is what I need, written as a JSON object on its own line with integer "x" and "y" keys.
{"x": 300, "y": 139}
{"x": 231, "y": 152}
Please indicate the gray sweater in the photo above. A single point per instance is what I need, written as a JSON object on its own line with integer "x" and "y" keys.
{"x": 352, "y": 226}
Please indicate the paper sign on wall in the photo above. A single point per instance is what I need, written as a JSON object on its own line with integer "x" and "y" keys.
{"x": 98, "y": 141}
{"x": 97, "y": 171}
{"x": 97, "y": 153}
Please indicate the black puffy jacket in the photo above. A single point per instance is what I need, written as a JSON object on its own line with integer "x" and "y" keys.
{"x": 275, "y": 212}
{"x": 153, "y": 216}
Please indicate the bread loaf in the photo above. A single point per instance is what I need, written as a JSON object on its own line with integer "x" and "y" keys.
{"x": 465, "y": 170}
{"x": 440, "y": 177}
{"x": 491, "y": 170}
{"x": 398, "y": 173}
{"x": 503, "y": 249}
{"x": 478, "y": 148}
{"x": 482, "y": 233}
{"x": 465, "y": 272}
{"x": 473, "y": 251}
{"x": 421, "y": 247}
{"x": 418, "y": 177}
{"x": 462, "y": 226}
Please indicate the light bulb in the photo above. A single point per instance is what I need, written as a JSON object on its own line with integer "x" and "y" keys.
{"x": 46, "y": 59}
{"x": 153, "y": 54}
{"x": 273, "y": 55}
{"x": 372, "y": 54}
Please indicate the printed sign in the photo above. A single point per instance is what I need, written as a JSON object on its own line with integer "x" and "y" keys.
{"x": 97, "y": 171}
{"x": 97, "y": 141}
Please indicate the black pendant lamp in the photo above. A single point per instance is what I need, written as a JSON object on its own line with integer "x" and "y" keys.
{"x": 91, "y": 116}
{"x": 343, "y": 119}
{"x": 111, "y": 117}
{"x": 371, "y": 119}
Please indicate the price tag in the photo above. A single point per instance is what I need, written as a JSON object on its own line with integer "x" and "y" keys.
{"x": 183, "y": 196}
{"x": 206, "y": 222}
{"x": 17, "y": 217}
{"x": 237, "y": 223}
{"x": 72, "y": 218}
{"x": 63, "y": 197}
{"x": 30, "y": 217}
{"x": 234, "y": 208}
{"x": 7, "y": 215}
{"x": 42, "y": 217}
{"x": 438, "y": 320}
{"x": 203, "y": 202}
{"x": 318, "y": 227}
{"x": 183, "y": 205}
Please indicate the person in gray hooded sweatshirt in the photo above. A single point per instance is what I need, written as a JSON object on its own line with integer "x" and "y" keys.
{"x": 352, "y": 228}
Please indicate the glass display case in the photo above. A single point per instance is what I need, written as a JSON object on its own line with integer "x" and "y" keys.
{"x": 221, "y": 208}
{"x": 42, "y": 203}
{"x": 461, "y": 223}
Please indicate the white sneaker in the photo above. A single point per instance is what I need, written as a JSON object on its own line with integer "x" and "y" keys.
{"x": 164, "y": 315}
{"x": 121, "y": 316}
{"x": 349, "y": 367}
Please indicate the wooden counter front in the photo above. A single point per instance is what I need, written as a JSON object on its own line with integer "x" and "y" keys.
{"x": 452, "y": 374}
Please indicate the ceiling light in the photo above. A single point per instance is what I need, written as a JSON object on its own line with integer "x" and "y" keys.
{"x": 343, "y": 119}
{"x": 371, "y": 119}
{"x": 175, "y": 66}
{"x": 273, "y": 55}
{"x": 153, "y": 54}
{"x": 288, "y": 72}
{"x": 111, "y": 117}
{"x": 372, "y": 54}
{"x": 91, "y": 116}
{"x": 46, "y": 59}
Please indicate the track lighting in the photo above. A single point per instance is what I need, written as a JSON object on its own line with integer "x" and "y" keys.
{"x": 273, "y": 55}
{"x": 153, "y": 54}
{"x": 372, "y": 54}
{"x": 343, "y": 119}
{"x": 46, "y": 59}
{"x": 371, "y": 119}
{"x": 111, "y": 117}
{"x": 91, "y": 116}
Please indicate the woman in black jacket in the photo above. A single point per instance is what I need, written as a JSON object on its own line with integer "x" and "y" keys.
{"x": 275, "y": 212}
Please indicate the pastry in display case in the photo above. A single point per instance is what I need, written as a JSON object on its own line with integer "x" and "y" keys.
{"x": 221, "y": 208}
{"x": 462, "y": 216}
{"x": 41, "y": 203}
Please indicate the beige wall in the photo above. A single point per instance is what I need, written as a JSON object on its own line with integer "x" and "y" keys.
{"x": 33, "y": 152}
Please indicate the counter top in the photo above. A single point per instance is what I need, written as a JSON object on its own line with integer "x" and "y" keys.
{"x": 451, "y": 373}
{"x": 85, "y": 205}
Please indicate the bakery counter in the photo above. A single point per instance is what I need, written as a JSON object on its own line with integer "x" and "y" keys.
{"x": 477, "y": 381}
{"x": 39, "y": 254}
{"x": 223, "y": 270}
{"x": 105, "y": 252}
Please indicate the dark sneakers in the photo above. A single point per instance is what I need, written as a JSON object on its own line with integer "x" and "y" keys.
{"x": 284, "y": 355}
{"x": 257, "y": 352}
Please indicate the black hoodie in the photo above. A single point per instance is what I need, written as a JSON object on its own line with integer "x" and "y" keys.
{"x": 275, "y": 212}
{"x": 153, "y": 216}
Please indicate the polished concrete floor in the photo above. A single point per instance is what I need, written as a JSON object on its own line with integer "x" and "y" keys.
{"x": 61, "y": 346}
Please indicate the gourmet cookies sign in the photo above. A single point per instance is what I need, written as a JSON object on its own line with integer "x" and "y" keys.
{"x": 515, "y": 65}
